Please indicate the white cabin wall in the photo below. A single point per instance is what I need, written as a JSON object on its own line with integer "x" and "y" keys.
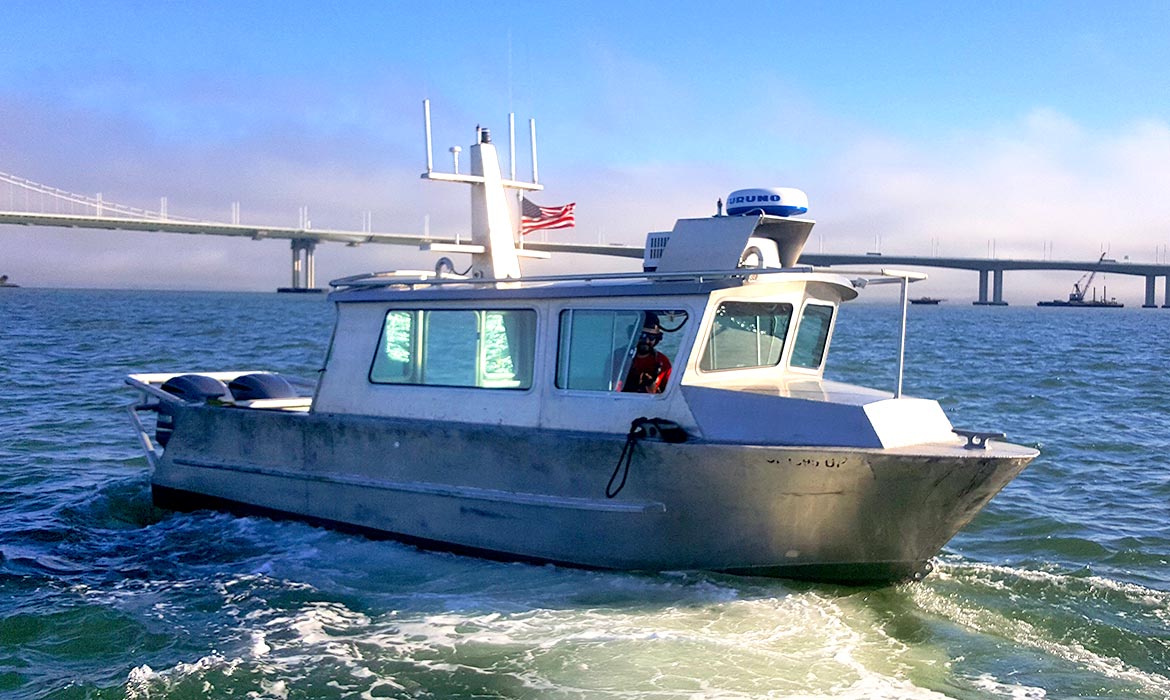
{"x": 350, "y": 356}
{"x": 345, "y": 385}
{"x": 797, "y": 405}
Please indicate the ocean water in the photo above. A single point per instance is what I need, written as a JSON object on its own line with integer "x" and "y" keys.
{"x": 1059, "y": 589}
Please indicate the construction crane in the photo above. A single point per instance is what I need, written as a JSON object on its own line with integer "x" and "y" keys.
{"x": 1081, "y": 286}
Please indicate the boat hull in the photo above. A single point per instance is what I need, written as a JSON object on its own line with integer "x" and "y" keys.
{"x": 839, "y": 514}
{"x": 1083, "y": 304}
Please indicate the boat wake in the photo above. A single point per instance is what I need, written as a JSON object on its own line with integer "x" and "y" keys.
{"x": 1051, "y": 620}
{"x": 698, "y": 635}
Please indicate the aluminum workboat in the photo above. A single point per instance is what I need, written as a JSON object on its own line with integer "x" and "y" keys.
{"x": 675, "y": 417}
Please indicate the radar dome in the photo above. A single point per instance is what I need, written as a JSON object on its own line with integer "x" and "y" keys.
{"x": 777, "y": 201}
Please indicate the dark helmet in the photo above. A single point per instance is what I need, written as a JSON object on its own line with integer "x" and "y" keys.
{"x": 650, "y": 325}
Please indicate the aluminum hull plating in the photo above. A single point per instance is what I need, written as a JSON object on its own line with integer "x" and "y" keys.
{"x": 844, "y": 514}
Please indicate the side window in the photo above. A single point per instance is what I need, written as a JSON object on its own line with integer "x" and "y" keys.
{"x": 394, "y": 362}
{"x": 593, "y": 346}
{"x": 507, "y": 349}
{"x": 746, "y": 334}
{"x": 812, "y": 335}
{"x": 449, "y": 347}
{"x": 631, "y": 351}
{"x": 464, "y": 348}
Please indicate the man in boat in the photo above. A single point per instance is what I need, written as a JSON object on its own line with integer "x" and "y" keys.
{"x": 649, "y": 369}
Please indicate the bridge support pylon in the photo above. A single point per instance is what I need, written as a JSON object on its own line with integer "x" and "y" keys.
{"x": 303, "y": 276}
{"x": 1151, "y": 280}
{"x": 1166, "y": 292}
{"x": 997, "y": 289}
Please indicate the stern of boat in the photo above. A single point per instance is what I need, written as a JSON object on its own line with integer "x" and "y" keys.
{"x": 164, "y": 395}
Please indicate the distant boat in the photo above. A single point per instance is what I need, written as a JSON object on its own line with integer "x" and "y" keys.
{"x": 926, "y": 300}
{"x": 1076, "y": 298}
{"x": 1093, "y": 303}
{"x": 5, "y": 283}
{"x": 300, "y": 290}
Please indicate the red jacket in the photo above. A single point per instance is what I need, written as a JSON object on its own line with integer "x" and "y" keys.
{"x": 648, "y": 373}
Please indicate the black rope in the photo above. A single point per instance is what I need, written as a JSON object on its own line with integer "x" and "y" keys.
{"x": 627, "y": 456}
{"x": 445, "y": 263}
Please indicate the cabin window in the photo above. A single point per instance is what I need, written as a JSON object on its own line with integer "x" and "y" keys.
{"x": 808, "y": 350}
{"x": 449, "y": 347}
{"x": 491, "y": 348}
{"x": 602, "y": 349}
{"x": 746, "y": 334}
{"x": 394, "y": 362}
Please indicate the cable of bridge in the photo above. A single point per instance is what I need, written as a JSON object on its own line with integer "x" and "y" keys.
{"x": 98, "y": 204}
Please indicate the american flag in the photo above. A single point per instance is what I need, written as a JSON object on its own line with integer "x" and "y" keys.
{"x": 538, "y": 218}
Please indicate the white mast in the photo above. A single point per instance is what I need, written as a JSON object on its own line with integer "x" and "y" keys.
{"x": 491, "y": 224}
{"x": 492, "y": 248}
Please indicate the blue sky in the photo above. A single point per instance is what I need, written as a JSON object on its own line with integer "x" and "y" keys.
{"x": 961, "y": 125}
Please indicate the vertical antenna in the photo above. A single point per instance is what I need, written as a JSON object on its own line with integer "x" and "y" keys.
{"x": 532, "y": 132}
{"x": 427, "y": 120}
{"x": 902, "y": 343}
{"x": 512, "y": 144}
{"x": 512, "y": 141}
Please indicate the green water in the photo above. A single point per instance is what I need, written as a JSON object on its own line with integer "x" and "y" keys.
{"x": 1060, "y": 589}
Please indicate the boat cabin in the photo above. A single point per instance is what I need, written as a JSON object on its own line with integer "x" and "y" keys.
{"x": 744, "y": 348}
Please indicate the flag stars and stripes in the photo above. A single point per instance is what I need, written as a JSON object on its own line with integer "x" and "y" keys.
{"x": 537, "y": 218}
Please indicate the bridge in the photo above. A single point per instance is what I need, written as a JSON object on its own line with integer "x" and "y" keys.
{"x": 29, "y": 204}
{"x": 994, "y": 268}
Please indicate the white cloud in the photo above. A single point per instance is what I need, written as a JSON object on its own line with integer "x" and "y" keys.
{"x": 1043, "y": 181}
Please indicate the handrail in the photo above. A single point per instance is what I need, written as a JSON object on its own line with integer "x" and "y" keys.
{"x": 388, "y": 278}
{"x": 904, "y": 278}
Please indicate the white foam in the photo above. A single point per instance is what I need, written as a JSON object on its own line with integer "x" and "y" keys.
{"x": 259, "y": 646}
{"x": 989, "y": 573}
{"x": 705, "y": 639}
{"x": 743, "y": 648}
{"x": 1008, "y": 690}
{"x": 143, "y": 682}
{"x": 274, "y": 689}
{"x": 1022, "y": 633}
